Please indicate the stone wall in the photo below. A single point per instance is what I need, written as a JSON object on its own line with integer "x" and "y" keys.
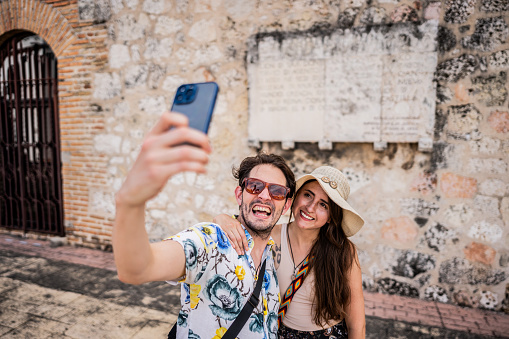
{"x": 436, "y": 222}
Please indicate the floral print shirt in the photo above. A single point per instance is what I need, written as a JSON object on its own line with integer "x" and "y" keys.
{"x": 217, "y": 284}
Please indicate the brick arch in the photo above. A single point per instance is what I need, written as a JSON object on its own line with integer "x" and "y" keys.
{"x": 39, "y": 18}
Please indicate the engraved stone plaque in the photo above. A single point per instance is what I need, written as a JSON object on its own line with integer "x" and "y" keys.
{"x": 345, "y": 86}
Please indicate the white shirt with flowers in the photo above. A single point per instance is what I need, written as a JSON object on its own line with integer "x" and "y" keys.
{"x": 217, "y": 284}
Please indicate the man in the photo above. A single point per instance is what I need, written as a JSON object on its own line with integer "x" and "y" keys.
{"x": 216, "y": 281}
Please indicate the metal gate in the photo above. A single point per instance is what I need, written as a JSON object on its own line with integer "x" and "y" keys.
{"x": 30, "y": 167}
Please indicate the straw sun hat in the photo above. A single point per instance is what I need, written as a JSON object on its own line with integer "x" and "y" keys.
{"x": 335, "y": 185}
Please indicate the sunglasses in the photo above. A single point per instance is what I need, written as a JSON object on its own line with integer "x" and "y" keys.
{"x": 256, "y": 186}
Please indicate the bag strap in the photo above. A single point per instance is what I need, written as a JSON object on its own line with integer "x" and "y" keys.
{"x": 244, "y": 314}
{"x": 251, "y": 304}
{"x": 291, "y": 290}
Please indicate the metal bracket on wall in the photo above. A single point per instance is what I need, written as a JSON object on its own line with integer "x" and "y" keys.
{"x": 253, "y": 143}
{"x": 380, "y": 146}
{"x": 325, "y": 144}
{"x": 425, "y": 145}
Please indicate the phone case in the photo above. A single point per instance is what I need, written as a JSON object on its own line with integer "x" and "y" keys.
{"x": 197, "y": 101}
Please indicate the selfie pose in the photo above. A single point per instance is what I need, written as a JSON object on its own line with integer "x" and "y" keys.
{"x": 223, "y": 295}
{"x": 317, "y": 265}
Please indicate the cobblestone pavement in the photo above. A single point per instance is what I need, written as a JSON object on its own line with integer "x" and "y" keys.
{"x": 71, "y": 292}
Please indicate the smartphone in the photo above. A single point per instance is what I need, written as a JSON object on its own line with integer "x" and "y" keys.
{"x": 197, "y": 102}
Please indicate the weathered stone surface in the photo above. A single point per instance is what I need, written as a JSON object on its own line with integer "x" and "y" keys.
{"x": 486, "y": 145}
{"x": 458, "y": 215}
{"x": 404, "y": 13}
{"x": 499, "y": 59}
{"x": 116, "y": 6}
{"x": 158, "y": 49}
{"x": 490, "y": 165}
{"x": 490, "y": 90}
{"x": 204, "y": 31}
{"x": 347, "y": 17}
{"x": 487, "y": 205}
{"x": 419, "y": 207}
{"x": 458, "y": 11}
{"x": 410, "y": 263}
{"x": 489, "y": 34}
{"x": 504, "y": 260}
{"x": 425, "y": 183}
{"x": 494, "y": 5}
{"x": 489, "y": 300}
{"x": 461, "y": 94}
{"x": 457, "y": 186}
{"x": 135, "y": 76}
{"x": 481, "y": 253}
{"x": 156, "y": 73}
{"x": 499, "y": 121}
{"x": 106, "y": 85}
{"x": 465, "y": 298}
{"x": 455, "y": 69}
{"x": 461, "y": 271}
{"x": 156, "y": 6}
{"x": 132, "y": 4}
{"x": 373, "y": 16}
{"x": 437, "y": 235}
{"x": 391, "y": 286}
{"x": 440, "y": 155}
{"x": 108, "y": 144}
{"x": 436, "y": 293}
{"x": 356, "y": 179}
{"x": 131, "y": 28}
{"x": 98, "y": 11}
{"x": 485, "y": 231}
{"x": 504, "y": 208}
{"x": 401, "y": 229}
{"x": 86, "y": 9}
{"x": 166, "y": 25}
{"x": 432, "y": 10}
{"x": 493, "y": 187}
{"x": 153, "y": 105}
{"x": 424, "y": 279}
{"x": 119, "y": 56}
{"x": 444, "y": 94}
{"x": 463, "y": 122}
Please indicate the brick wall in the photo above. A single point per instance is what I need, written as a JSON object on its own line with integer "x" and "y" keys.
{"x": 437, "y": 223}
{"x": 81, "y": 52}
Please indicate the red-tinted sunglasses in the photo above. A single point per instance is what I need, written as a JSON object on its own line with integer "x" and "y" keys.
{"x": 256, "y": 186}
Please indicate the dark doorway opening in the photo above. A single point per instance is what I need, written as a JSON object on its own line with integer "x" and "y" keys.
{"x": 30, "y": 166}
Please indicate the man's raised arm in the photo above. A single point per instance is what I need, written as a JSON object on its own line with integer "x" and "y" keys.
{"x": 165, "y": 152}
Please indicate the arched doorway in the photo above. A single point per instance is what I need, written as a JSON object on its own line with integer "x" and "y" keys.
{"x": 30, "y": 167}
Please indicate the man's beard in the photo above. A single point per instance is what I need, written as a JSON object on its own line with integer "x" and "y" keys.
{"x": 260, "y": 231}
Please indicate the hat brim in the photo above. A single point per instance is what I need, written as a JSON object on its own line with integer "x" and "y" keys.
{"x": 352, "y": 221}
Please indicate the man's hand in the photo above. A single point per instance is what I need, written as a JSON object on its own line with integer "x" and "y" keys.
{"x": 165, "y": 152}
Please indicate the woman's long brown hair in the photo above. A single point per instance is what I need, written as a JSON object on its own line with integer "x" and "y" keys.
{"x": 333, "y": 255}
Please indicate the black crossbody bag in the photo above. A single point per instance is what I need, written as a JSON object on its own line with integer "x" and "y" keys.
{"x": 243, "y": 316}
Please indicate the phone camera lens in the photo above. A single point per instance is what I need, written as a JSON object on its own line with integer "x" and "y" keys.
{"x": 180, "y": 97}
{"x": 182, "y": 89}
{"x": 189, "y": 93}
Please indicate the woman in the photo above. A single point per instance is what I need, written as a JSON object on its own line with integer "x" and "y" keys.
{"x": 314, "y": 247}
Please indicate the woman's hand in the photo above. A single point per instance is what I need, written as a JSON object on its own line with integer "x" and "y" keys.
{"x": 234, "y": 232}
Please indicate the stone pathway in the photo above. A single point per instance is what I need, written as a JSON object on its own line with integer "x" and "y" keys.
{"x": 71, "y": 292}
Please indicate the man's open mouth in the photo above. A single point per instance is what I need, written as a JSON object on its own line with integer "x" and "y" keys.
{"x": 262, "y": 211}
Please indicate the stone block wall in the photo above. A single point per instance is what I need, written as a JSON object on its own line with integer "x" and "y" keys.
{"x": 436, "y": 222}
